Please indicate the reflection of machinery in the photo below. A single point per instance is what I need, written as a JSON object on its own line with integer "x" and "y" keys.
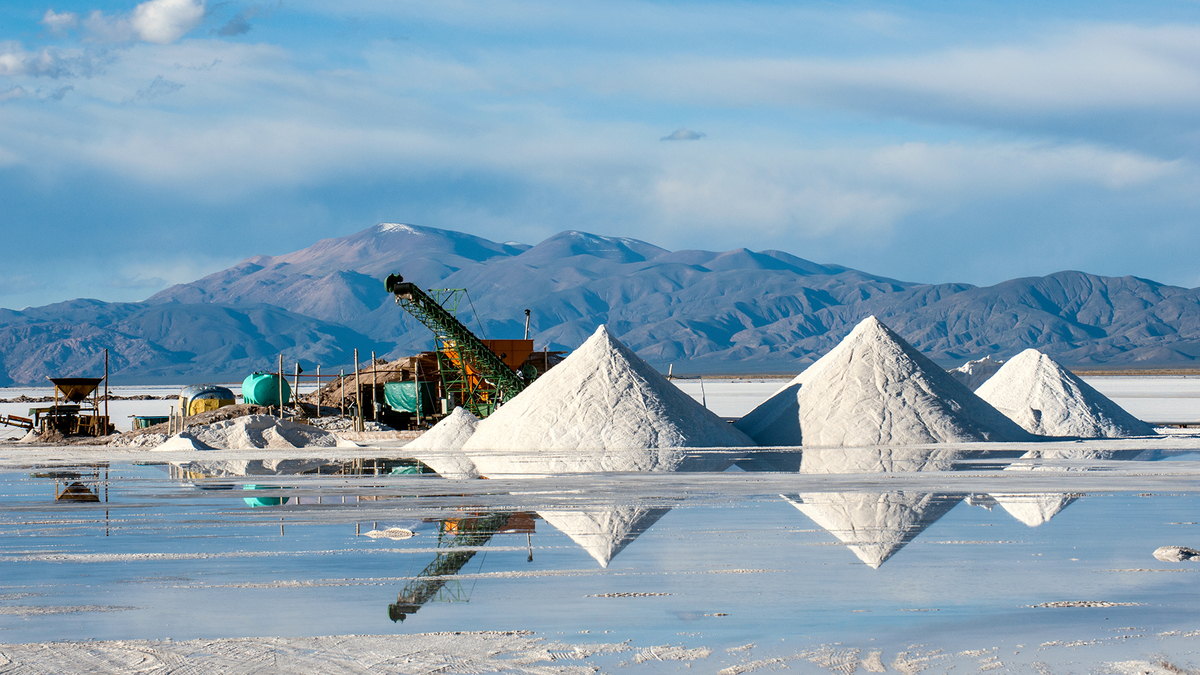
{"x": 473, "y": 373}
{"x": 75, "y": 415}
{"x": 78, "y": 484}
{"x": 460, "y": 536}
{"x": 198, "y": 398}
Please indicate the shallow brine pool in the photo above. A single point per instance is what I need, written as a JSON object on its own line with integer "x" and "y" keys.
{"x": 973, "y": 565}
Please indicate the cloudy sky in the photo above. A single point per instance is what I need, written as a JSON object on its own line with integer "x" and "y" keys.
{"x": 147, "y": 144}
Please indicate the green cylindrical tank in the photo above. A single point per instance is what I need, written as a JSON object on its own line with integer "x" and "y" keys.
{"x": 263, "y": 389}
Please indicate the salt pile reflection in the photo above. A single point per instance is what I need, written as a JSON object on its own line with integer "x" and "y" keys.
{"x": 891, "y": 550}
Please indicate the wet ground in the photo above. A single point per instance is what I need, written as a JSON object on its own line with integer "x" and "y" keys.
{"x": 812, "y": 564}
{"x": 950, "y": 558}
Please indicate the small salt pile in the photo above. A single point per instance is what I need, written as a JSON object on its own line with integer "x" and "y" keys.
{"x": 252, "y": 431}
{"x": 604, "y": 533}
{"x": 440, "y": 448}
{"x": 1048, "y": 400}
{"x": 974, "y": 373}
{"x": 1033, "y": 509}
{"x": 602, "y": 409}
{"x": 874, "y": 388}
{"x": 874, "y": 525}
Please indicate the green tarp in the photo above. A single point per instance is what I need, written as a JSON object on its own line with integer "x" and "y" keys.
{"x": 402, "y": 397}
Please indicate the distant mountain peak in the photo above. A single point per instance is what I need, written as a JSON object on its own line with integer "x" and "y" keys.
{"x": 399, "y": 228}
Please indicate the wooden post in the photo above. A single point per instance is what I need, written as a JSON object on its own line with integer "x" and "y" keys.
{"x": 358, "y": 394}
{"x": 374, "y": 384}
{"x": 280, "y": 385}
{"x": 106, "y": 400}
{"x": 296, "y": 390}
{"x": 318, "y": 390}
{"x": 342, "y": 391}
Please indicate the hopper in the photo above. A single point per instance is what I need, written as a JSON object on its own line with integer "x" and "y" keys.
{"x": 75, "y": 389}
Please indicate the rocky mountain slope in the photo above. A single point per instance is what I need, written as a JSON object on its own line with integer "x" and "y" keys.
{"x": 735, "y": 311}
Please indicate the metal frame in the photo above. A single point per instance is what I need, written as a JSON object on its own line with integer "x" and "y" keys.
{"x": 470, "y": 370}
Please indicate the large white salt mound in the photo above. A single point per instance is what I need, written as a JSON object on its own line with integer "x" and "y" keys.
{"x": 604, "y": 533}
{"x": 974, "y": 373}
{"x": 440, "y": 448}
{"x": 1034, "y": 509}
{"x": 251, "y": 431}
{"x": 874, "y": 388}
{"x": 1047, "y": 399}
{"x": 602, "y": 408}
{"x": 874, "y": 525}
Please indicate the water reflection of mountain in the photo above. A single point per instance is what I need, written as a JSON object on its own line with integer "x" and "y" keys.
{"x": 604, "y": 533}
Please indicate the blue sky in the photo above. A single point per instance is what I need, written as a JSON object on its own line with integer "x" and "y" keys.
{"x": 148, "y": 144}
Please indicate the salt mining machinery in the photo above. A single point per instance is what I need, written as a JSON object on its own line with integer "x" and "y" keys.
{"x": 472, "y": 372}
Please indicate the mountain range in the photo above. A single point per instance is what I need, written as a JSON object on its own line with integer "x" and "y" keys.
{"x": 705, "y": 312}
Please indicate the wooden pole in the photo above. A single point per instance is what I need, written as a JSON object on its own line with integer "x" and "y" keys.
{"x": 318, "y": 390}
{"x": 280, "y": 384}
{"x": 374, "y": 384}
{"x": 296, "y": 389}
{"x": 357, "y": 393}
{"x": 106, "y": 397}
{"x": 342, "y": 391}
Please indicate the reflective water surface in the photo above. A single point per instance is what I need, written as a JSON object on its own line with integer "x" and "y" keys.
{"x": 953, "y": 557}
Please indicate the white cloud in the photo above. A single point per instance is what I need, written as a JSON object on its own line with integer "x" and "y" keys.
{"x": 58, "y": 23}
{"x": 165, "y": 21}
{"x": 156, "y": 21}
{"x": 16, "y": 61}
{"x": 11, "y": 94}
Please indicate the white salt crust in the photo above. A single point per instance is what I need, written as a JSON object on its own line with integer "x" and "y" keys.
{"x": 1047, "y": 399}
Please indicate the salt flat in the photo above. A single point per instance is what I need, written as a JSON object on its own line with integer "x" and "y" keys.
{"x": 171, "y": 568}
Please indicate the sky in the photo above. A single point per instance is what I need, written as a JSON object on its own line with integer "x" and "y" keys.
{"x": 148, "y": 144}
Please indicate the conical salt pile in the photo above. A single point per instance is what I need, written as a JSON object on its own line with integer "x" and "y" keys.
{"x": 876, "y": 389}
{"x": 604, "y": 533}
{"x": 974, "y": 373}
{"x": 873, "y": 525}
{"x": 440, "y": 448}
{"x": 601, "y": 409}
{"x": 1047, "y": 399}
{"x": 1033, "y": 509}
